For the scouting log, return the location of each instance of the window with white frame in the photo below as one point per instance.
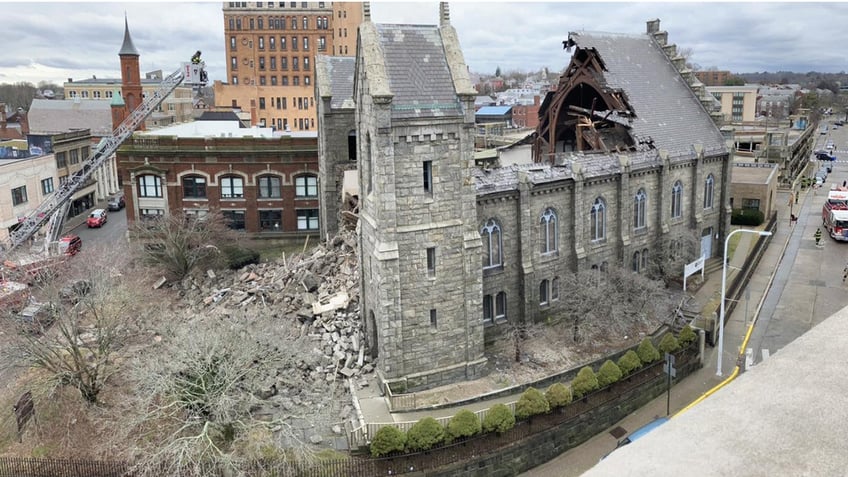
(307, 219)
(270, 187)
(544, 292)
(640, 203)
(149, 185)
(232, 187)
(548, 231)
(305, 186)
(492, 244)
(47, 185)
(677, 200)
(598, 225)
(709, 191)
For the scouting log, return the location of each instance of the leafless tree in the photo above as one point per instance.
(207, 396)
(673, 251)
(88, 315)
(179, 242)
(614, 302)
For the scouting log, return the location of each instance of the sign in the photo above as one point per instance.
(693, 267)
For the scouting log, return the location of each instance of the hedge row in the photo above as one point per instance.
(428, 433)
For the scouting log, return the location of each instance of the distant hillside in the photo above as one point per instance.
(811, 79)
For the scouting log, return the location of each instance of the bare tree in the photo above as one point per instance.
(178, 242)
(82, 326)
(203, 398)
(671, 253)
(614, 302)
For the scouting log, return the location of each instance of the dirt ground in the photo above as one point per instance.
(542, 355)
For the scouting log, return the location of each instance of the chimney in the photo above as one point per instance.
(536, 100)
(653, 26)
(70, 80)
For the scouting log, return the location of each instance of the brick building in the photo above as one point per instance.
(450, 253)
(713, 77)
(270, 51)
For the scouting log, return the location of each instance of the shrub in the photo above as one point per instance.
(498, 419)
(629, 362)
(687, 336)
(668, 344)
(424, 434)
(388, 439)
(608, 374)
(584, 383)
(746, 217)
(558, 395)
(463, 424)
(646, 351)
(531, 402)
(238, 257)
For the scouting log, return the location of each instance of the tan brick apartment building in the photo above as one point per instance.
(713, 77)
(270, 50)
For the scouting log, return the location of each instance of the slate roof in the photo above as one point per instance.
(418, 72)
(61, 115)
(219, 116)
(493, 110)
(340, 70)
(127, 48)
(666, 109)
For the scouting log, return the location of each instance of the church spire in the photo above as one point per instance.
(127, 48)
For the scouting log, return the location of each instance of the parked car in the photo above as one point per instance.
(97, 218)
(70, 244)
(117, 203)
(824, 156)
(639, 433)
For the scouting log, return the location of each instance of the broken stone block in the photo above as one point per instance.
(310, 281)
(347, 372)
(159, 283)
(211, 273)
(337, 429)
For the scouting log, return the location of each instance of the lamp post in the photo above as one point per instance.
(763, 233)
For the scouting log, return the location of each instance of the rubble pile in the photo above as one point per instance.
(315, 294)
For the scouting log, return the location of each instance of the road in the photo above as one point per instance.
(808, 285)
(113, 232)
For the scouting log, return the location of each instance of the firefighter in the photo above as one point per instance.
(818, 236)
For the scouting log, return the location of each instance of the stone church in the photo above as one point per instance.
(626, 154)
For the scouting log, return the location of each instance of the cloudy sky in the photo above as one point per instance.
(55, 41)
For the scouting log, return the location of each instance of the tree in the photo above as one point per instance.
(531, 402)
(673, 252)
(464, 424)
(202, 397)
(92, 322)
(178, 243)
(498, 72)
(18, 95)
(734, 81)
(425, 434)
(584, 383)
(499, 419)
(558, 395)
(388, 439)
(611, 302)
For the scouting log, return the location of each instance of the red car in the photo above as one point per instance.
(97, 218)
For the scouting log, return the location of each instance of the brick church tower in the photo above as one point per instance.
(130, 78)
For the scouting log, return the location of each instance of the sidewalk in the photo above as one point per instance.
(375, 407)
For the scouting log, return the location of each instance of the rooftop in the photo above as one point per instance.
(221, 129)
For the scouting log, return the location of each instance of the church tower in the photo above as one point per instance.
(421, 262)
(130, 75)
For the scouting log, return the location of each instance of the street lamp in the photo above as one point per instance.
(763, 233)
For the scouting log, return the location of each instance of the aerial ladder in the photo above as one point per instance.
(54, 209)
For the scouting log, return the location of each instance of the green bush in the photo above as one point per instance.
(558, 395)
(238, 257)
(747, 217)
(531, 402)
(629, 362)
(584, 383)
(388, 439)
(424, 434)
(608, 374)
(668, 344)
(646, 351)
(463, 424)
(498, 419)
(687, 336)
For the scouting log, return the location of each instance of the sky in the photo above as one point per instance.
(56, 41)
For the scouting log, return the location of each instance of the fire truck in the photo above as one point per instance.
(53, 211)
(835, 214)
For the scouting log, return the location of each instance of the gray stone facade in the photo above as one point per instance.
(428, 315)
